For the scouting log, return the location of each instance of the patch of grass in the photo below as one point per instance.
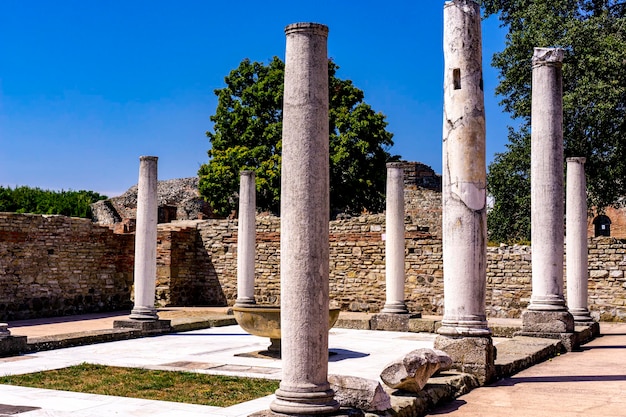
(185, 387)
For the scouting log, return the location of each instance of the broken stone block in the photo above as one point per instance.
(411, 372)
(362, 393)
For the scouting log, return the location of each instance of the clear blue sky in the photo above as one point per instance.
(86, 87)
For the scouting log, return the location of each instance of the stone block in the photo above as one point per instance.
(475, 355)
(362, 393)
(391, 322)
(411, 371)
(547, 322)
(145, 326)
(12, 345)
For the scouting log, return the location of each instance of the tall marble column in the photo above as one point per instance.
(547, 315)
(577, 266)
(246, 239)
(394, 243)
(464, 174)
(546, 312)
(304, 245)
(146, 241)
(464, 333)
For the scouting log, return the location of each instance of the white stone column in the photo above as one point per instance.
(146, 241)
(394, 241)
(576, 240)
(546, 178)
(464, 174)
(246, 239)
(546, 312)
(304, 245)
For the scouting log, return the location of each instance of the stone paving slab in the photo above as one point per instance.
(226, 350)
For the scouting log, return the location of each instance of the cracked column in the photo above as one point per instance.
(464, 326)
(394, 243)
(246, 239)
(547, 315)
(146, 241)
(576, 240)
(304, 245)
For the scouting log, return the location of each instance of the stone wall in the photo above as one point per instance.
(57, 265)
(54, 265)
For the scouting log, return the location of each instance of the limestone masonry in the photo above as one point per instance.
(55, 265)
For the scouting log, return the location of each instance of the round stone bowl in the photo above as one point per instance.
(264, 321)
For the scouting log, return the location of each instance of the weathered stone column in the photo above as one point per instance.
(547, 312)
(576, 240)
(394, 243)
(246, 239)
(304, 246)
(464, 333)
(146, 240)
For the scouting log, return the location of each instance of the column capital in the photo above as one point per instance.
(577, 159)
(247, 173)
(315, 28)
(148, 158)
(548, 57)
(395, 164)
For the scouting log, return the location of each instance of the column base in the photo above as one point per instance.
(471, 327)
(143, 313)
(581, 315)
(245, 302)
(397, 307)
(473, 355)
(304, 403)
(342, 412)
(392, 322)
(538, 321)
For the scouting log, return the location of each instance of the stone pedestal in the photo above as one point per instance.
(145, 326)
(547, 305)
(577, 264)
(10, 345)
(394, 241)
(146, 241)
(473, 355)
(246, 239)
(392, 322)
(304, 245)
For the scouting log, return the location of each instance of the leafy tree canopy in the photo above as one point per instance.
(38, 201)
(593, 34)
(247, 135)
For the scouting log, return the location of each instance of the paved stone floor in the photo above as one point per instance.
(219, 350)
(589, 382)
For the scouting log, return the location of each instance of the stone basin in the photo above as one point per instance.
(264, 321)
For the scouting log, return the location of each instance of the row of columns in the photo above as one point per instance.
(304, 388)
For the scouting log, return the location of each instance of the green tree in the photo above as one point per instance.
(593, 34)
(247, 135)
(37, 201)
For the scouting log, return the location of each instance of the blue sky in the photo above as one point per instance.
(86, 87)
